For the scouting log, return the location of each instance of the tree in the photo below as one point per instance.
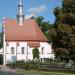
(63, 31)
(1, 59)
(44, 26)
(68, 9)
(1, 40)
(35, 53)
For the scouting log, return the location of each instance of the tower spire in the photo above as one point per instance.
(20, 16)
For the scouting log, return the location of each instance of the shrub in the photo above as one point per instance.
(24, 65)
(29, 65)
(35, 53)
(12, 65)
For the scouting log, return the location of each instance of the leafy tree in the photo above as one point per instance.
(45, 26)
(68, 9)
(1, 59)
(63, 31)
(1, 40)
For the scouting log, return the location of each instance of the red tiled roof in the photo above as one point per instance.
(29, 31)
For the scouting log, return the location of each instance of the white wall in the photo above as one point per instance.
(47, 51)
(17, 51)
(8, 51)
(21, 56)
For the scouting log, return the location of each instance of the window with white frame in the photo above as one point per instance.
(12, 50)
(22, 50)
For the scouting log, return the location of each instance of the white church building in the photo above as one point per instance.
(21, 36)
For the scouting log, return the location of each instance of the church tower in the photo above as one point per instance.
(20, 15)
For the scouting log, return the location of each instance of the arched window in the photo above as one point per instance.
(42, 50)
(12, 50)
(22, 50)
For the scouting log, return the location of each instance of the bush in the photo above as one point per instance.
(35, 53)
(24, 65)
(30, 65)
(12, 65)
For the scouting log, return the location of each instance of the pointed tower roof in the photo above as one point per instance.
(20, 15)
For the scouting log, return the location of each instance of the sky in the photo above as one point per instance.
(45, 8)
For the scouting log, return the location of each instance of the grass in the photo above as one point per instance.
(41, 73)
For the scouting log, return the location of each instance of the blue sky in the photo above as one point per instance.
(45, 8)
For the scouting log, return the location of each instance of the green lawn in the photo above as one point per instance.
(42, 73)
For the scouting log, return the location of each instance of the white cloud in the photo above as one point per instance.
(28, 16)
(39, 9)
